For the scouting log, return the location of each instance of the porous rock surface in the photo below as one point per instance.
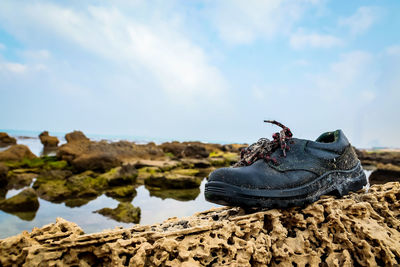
(359, 229)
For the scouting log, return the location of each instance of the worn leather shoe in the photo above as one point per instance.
(287, 172)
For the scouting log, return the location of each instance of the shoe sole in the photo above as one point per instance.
(334, 182)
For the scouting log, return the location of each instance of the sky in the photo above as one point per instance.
(202, 70)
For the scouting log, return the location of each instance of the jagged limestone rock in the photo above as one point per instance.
(359, 229)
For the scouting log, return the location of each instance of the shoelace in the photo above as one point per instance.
(264, 147)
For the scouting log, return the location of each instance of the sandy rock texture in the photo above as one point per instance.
(360, 229)
(16, 152)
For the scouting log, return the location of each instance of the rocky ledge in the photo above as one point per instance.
(359, 229)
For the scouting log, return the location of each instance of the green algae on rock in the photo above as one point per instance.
(124, 193)
(125, 174)
(175, 179)
(125, 212)
(177, 194)
(26, 200)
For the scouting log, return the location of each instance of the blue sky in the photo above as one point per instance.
(202, 70)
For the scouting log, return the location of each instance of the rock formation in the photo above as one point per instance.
(16, 152)
(6, 140)
(84, 154)
(125, 212)
(388, 160)
(360, 229)
(48, 141)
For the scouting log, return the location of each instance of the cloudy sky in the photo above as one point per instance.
(202, 70)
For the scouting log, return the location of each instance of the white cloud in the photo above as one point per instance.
(352, 71)
(13, 67)
(361, 20)
(180, 68)
(2, 46)
(393, 50)
(242, 22)
(302, 40)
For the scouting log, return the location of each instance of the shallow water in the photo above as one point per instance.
(153, 210)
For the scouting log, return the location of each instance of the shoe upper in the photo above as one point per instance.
(305, 161)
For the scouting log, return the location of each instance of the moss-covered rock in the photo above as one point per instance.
(57, 165)
(223, 159)
(17, 180)
(126, 174)
(52, 190)
(147, 172)
(22, 202)
(78, 202)
(124, 193)
(44, 162)
(54, 175)
(178, 194)
(86, 184)
(125, 212)
(173, 181)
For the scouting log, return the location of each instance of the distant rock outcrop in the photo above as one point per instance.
(388, 160)
(84, 154)
(48, 141)
(361, 229)
(6, 140)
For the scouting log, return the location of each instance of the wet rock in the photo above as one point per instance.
(382, 159)
(86, 184)
(78, 202)
(24, 201)
(124, 193)
(361, 229)
(175, 179)
(147, 172)
(48, 141)
(18, 180)
(126, 174)
(54, 174)
(16, 153)
(3, 175)
(223, 159)
(6, 140)
(54, 190)
(178, 194)
(125, 212)
(384, 176)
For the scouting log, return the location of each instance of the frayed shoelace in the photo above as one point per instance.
(264, 147)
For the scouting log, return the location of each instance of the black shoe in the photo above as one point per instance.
(288, 172)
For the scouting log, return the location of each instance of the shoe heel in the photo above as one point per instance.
(351, 184)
